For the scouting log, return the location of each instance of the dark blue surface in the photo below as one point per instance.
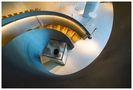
(24, 51)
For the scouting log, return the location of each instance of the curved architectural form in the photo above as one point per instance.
(43, 18)
(36, 35)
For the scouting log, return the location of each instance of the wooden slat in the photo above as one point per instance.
(70, 33)
(76, 37)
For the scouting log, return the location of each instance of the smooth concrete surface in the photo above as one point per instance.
(111, 69)
(18, 27)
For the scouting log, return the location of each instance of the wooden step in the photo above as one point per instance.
(67, 31)
(58, 27)
(64, 30)
(70, 33)
(49, 26)
(75, 37)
